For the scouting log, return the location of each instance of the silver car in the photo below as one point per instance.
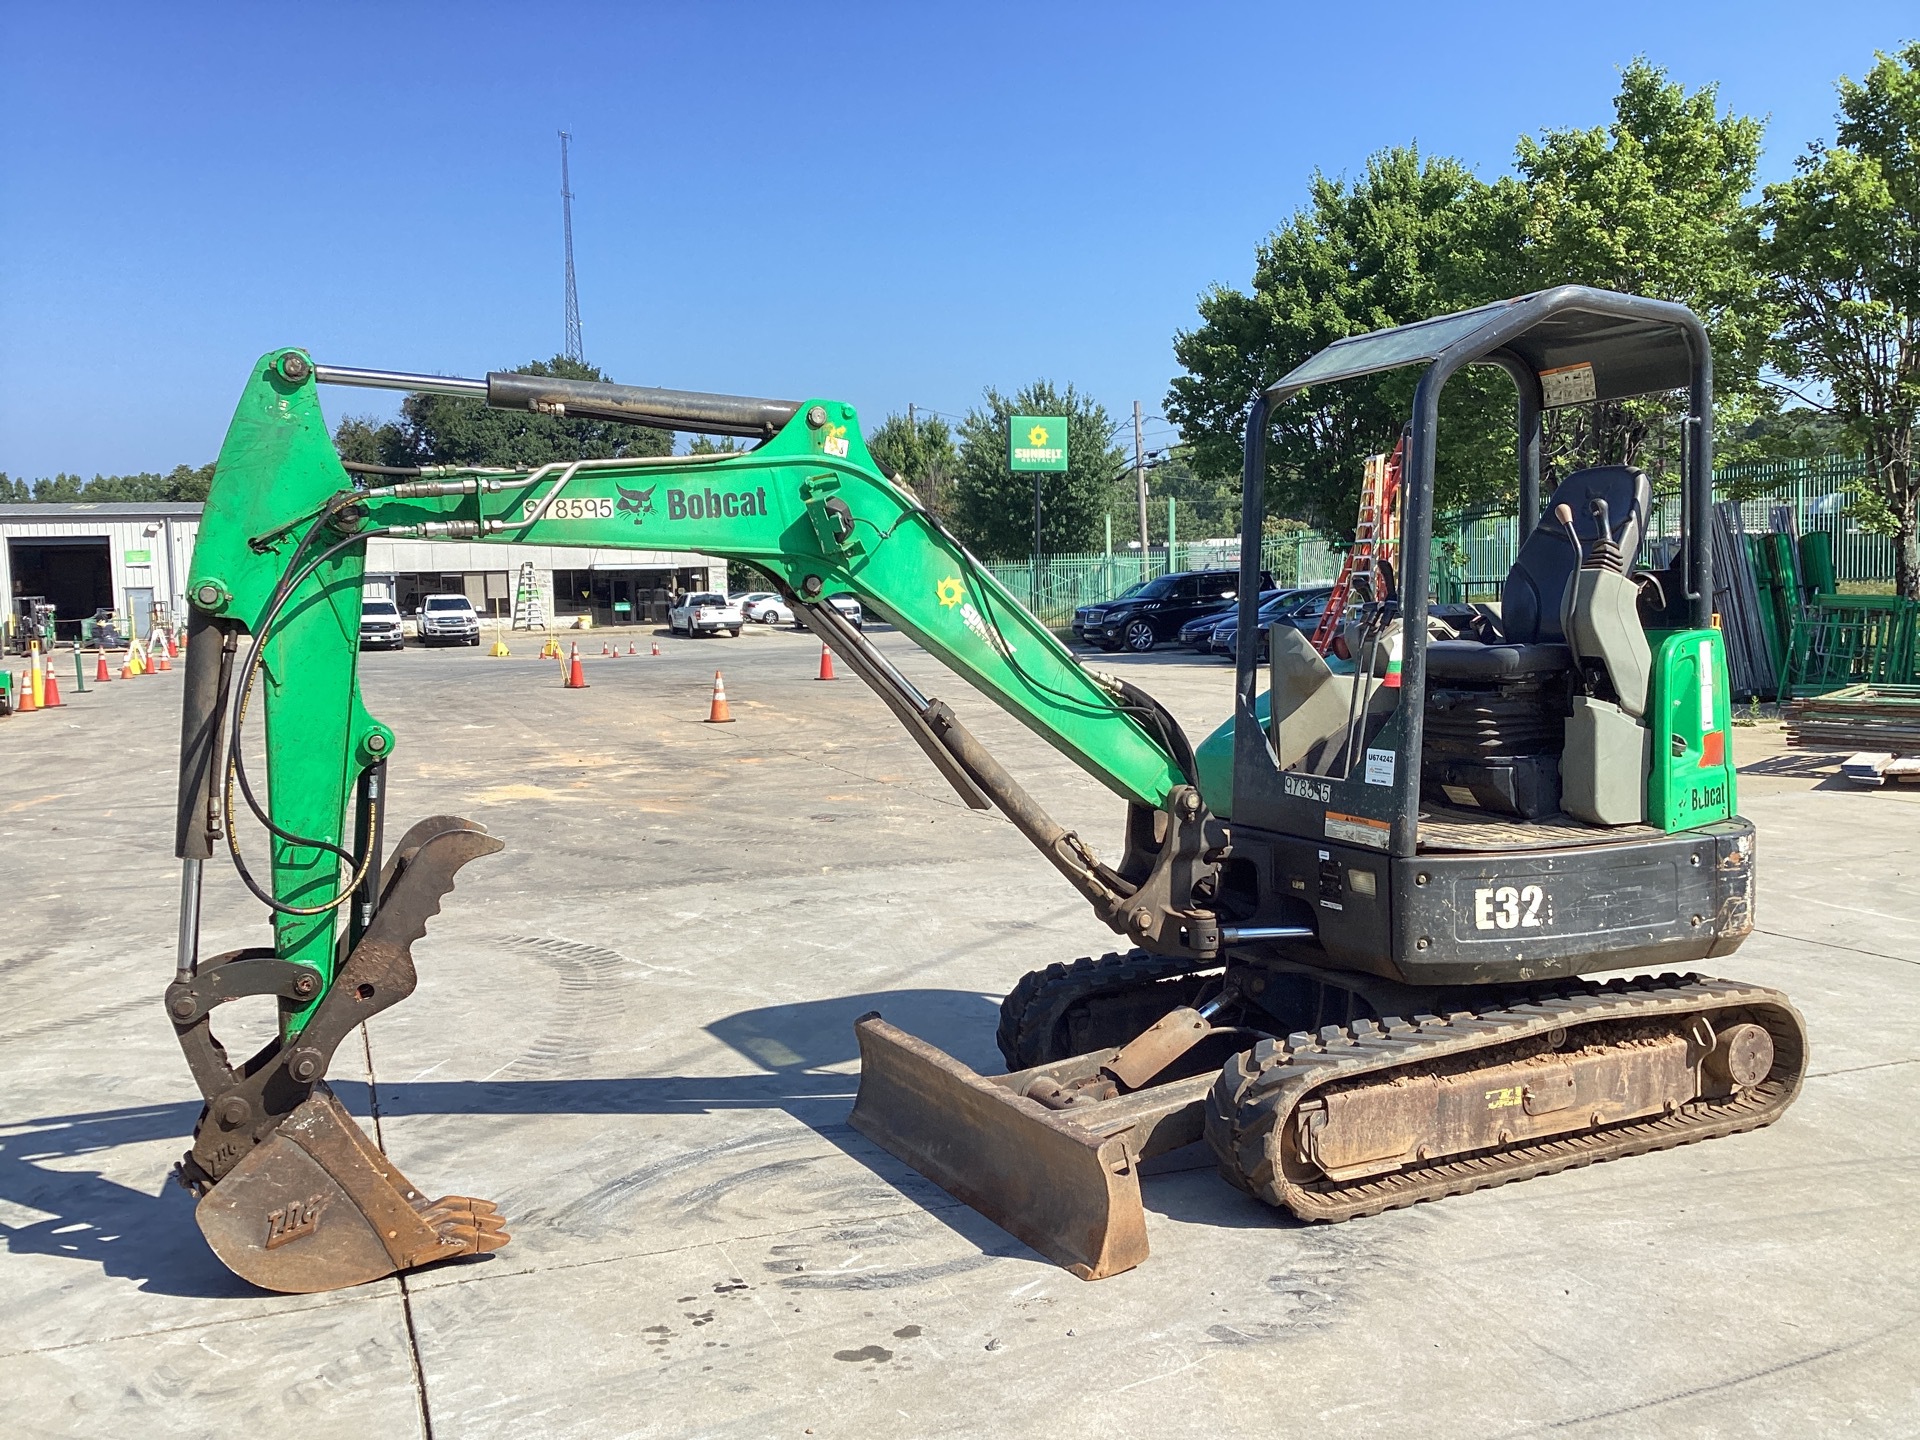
(764, 607)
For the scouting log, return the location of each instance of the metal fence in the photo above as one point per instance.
(1820, 492)
(1471, 553)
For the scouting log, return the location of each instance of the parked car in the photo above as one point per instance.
(380, 625)
(448, 620)
(1301, 609)
(763, 607)
(705, 612)
(1154, 610)
(847, 606)
(1197, 633)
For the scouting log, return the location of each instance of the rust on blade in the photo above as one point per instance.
(1072, 1195)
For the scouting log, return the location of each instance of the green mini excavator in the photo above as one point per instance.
(1357, 916)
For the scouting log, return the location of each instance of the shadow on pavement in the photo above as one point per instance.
(151, 1238)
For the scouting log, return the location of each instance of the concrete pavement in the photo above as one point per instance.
(633, 1032)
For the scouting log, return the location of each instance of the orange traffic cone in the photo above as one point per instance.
(172, 654)
(52, 692)
(826, 663)
(101, 673)
(26, 695)
(160, 660)
(576, 674)
(656, 647)
(632, 649)
(604, 652)
(719, 714)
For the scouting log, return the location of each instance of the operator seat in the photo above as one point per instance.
(1496, 712)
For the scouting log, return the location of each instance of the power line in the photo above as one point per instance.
(566, 219)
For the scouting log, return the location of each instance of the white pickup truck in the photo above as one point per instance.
(706, 613)
(448, 620)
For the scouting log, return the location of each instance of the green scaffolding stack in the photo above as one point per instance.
(1842, 640)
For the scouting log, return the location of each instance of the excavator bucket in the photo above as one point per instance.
(293, 1195)
(317, 1207)
(1066, 1181)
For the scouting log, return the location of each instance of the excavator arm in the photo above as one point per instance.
(279, 561)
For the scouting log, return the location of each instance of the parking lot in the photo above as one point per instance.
(633, 1032)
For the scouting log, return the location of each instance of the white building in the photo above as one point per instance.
(130, 558)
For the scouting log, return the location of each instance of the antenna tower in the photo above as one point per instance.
(566, 218)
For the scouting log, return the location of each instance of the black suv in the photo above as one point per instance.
(1154, 610)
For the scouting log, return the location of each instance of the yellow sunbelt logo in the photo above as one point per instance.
(951, 593)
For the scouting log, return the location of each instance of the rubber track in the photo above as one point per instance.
(1033, 1008)
(1259, 1090)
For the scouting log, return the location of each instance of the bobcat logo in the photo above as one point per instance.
(637, 503)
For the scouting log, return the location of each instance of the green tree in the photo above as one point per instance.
(1409, 239)
(368, 440)
(1654, 204)
(447, 430)
(920, 454)
(62, 489)
(1842, 243)
(993, 505)
(183, 482)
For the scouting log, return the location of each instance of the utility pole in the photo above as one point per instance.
(1140, 486)
(566, 219)
(1034, 605)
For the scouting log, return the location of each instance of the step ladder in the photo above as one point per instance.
(1376, 541)
(527, 614)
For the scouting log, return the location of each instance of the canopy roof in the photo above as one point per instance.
(1634, 345)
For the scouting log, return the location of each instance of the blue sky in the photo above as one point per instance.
(879, 204)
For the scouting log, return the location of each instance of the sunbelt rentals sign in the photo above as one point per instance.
(1037, 442)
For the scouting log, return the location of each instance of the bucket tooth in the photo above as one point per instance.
(1072, 1195)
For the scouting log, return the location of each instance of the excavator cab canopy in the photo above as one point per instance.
(1565, 346)
(1630, 353)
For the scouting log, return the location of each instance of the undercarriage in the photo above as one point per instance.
(1311, 1097)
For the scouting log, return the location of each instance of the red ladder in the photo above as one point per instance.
(1375, 535)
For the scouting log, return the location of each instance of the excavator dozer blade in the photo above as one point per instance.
(317, 1207)
(1072, 1195)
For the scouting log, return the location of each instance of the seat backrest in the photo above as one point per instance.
(1530, 601)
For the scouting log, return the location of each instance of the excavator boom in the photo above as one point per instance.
(280, 557)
